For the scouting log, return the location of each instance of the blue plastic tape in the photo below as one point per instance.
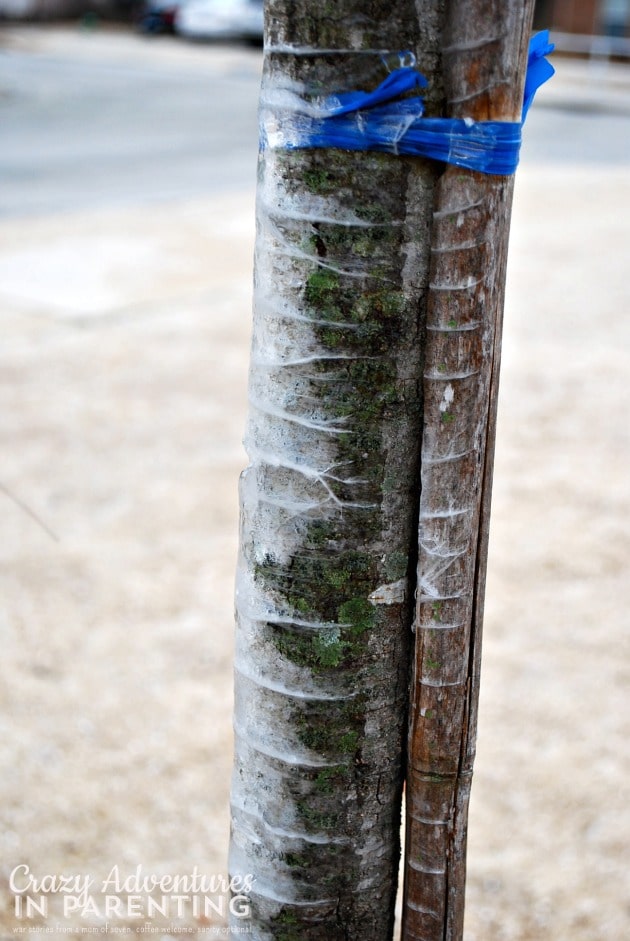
(374, 120)
(539, 70)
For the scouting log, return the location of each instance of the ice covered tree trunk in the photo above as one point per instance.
(484, 55)
(330, 498)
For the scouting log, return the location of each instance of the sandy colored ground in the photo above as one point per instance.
(123, 391)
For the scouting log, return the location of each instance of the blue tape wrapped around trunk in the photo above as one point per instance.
(375, 120)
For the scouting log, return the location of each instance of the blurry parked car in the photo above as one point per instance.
(220, 19)
(157, 16)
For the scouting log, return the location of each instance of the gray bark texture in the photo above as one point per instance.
(349, 338)
(330, 497)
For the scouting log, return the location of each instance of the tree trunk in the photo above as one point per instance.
(330, 498)
(484, 53)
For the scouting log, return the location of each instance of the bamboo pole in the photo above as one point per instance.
(484, 53)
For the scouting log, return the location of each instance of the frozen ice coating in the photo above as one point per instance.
(390, 594)
(328, 516)
(372, 355)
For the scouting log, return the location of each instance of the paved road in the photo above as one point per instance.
(112, 119)
(582, 116)
(115, 119)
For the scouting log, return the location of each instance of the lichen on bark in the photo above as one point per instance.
(329, 499)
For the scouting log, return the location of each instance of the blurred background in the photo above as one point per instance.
(127, 177)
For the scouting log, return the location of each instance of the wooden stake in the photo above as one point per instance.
(484, 57)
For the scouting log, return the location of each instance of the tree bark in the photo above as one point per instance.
(330, 498)
(483, 56)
